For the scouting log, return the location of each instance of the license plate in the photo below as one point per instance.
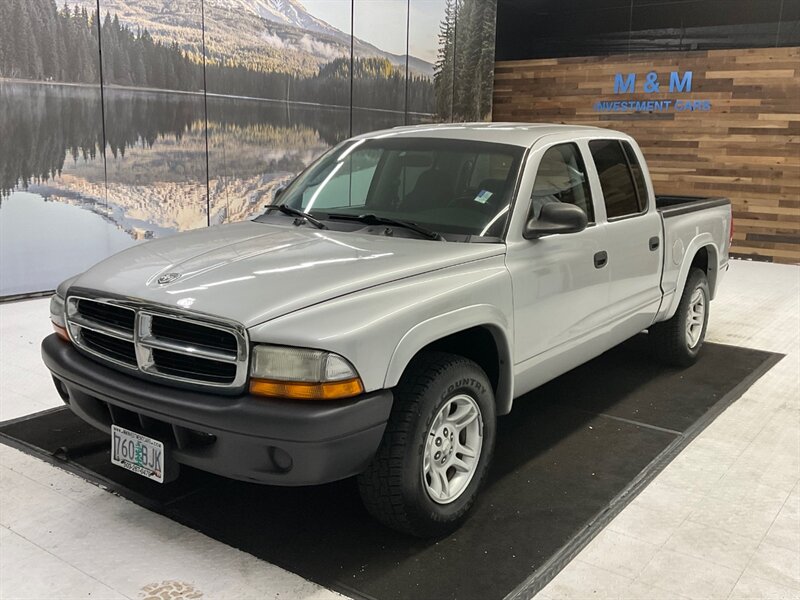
(138, 453)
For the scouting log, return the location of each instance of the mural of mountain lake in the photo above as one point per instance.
(63, 208)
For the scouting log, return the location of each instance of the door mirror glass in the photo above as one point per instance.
(556, 218)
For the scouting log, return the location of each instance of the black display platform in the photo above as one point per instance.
(569, 457)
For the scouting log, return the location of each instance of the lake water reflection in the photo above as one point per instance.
(92, 192)
(44, 242)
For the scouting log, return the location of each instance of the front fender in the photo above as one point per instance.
(379, 329)
(461, 319)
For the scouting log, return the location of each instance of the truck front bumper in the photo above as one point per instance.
(245, 437)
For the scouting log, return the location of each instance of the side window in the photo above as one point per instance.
(481, 170)
(490, 171)
(562, 178)
(616, 180)
(345, 184)
(412, 164)
(638, 176)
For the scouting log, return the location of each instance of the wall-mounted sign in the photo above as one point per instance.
(676, 83)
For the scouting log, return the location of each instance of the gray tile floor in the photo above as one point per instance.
(721, 521)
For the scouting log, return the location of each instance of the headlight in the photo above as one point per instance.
(57, 316)
(303, 374)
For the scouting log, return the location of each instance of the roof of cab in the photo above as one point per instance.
(517, 134)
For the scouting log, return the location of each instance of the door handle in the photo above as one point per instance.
(654, 243)
(600, 259)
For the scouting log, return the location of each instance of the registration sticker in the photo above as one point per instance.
(138, 453)
(483, 196)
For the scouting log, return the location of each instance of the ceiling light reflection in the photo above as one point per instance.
(209, 285)
(316, 263)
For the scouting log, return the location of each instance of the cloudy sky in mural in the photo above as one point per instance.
(425, 17)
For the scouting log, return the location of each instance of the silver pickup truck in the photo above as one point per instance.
(381, 314)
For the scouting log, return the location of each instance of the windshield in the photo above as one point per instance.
(446, 186)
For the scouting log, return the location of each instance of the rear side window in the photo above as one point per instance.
(638, 176)
(616, 180)
(562, 178)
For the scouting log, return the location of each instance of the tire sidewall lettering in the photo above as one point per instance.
(468, 383)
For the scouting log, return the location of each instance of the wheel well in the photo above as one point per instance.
(477, 344)
(700, 260)
(706, 260)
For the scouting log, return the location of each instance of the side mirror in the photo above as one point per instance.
(556, 217)
(279, 192)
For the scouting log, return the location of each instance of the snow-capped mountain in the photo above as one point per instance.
(273, 35)
(294, 14)
(291, 12)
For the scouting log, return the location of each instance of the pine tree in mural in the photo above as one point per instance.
(443, 69)
(41, 42)
(464, 70)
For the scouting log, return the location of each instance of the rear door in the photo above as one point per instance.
(633, 238)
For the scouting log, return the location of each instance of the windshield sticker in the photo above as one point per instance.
(483, 196)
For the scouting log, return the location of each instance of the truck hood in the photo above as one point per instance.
(253, 272)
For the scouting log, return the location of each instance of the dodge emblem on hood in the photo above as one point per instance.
(168, 278)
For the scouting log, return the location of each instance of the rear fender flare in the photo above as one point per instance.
(704, 240)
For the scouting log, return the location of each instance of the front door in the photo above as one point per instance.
(560, 281)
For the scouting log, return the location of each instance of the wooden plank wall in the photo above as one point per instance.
(747, 147)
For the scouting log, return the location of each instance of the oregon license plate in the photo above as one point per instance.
(138, 453)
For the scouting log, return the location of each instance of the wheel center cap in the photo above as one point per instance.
(443, 444)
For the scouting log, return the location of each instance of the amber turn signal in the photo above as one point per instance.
(61, 332)
(295, 390)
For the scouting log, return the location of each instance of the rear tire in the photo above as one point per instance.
(436, 450)
(677, 342)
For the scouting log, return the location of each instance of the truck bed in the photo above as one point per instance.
(690, 222)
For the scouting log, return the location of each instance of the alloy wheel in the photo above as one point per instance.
(452, 449)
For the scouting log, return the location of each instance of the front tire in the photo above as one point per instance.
(677, 342)
(436, 450)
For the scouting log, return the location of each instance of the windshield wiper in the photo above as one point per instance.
(288, 210)
(371, 219)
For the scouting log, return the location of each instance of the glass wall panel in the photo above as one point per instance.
(154, 107)
(278, 96)
(473, 50)
(54, 221)
(380, 64)
(430, 85)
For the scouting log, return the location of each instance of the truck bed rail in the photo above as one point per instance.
(672, 206)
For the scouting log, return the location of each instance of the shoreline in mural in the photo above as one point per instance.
(138, 184)
(152, 181)
(42, 40)
(10, 81)
(176, 138)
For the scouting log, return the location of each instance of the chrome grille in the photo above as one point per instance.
(160, 344)
(115, 348)
(107, 314)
